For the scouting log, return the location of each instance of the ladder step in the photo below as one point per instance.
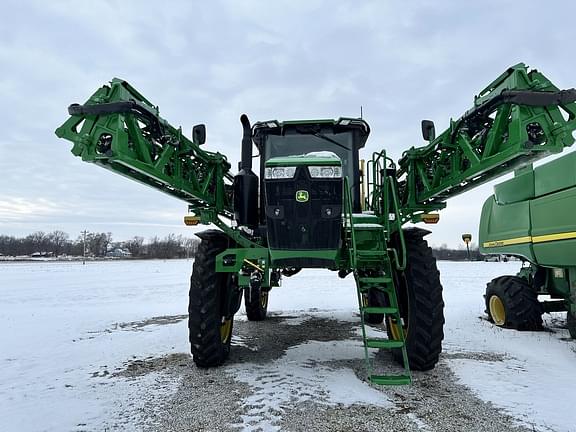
(379, 310)
(384, 343)
(380, 280)
(390, 379)
(360, 218)
(372, 253)
(367, 226)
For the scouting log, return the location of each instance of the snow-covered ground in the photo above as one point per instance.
(60, 324)
(67, 328)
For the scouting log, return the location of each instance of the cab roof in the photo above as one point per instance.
(344, 124)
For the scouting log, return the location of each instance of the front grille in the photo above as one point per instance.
(311, 225)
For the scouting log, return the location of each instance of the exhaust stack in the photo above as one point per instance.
(246, 161)
(246, 182)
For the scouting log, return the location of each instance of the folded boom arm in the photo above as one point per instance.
(517, 119)
(118, 129)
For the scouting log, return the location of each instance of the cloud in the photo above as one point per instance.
(208, 62)
(14, 208)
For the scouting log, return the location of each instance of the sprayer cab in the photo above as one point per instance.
(303, 164)
(343, 137)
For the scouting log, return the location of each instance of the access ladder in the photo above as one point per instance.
(373, 271)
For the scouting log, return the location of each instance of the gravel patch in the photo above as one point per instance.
(304, 372)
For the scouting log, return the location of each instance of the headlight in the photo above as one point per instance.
(279, 173)
(325, 171)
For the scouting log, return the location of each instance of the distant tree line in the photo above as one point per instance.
(101, 244)
(95, 244)
(445, 253)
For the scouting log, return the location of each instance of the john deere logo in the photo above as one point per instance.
(302, 196)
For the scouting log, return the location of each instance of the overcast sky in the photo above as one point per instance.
(208, 62)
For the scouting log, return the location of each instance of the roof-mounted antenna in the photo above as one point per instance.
(360, 112)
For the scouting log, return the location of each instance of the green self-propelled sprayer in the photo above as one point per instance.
(315, 204)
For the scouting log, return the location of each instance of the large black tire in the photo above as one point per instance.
(571, 324)
(209, 324)
(421, 304)
(512, 302)
(256, 303)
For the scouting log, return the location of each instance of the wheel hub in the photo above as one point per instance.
(497, 311)
(225, 330)
(264, 299)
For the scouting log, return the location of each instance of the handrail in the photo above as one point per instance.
(383, 193)
(348, 215)
(398, 222)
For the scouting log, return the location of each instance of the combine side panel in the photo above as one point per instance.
(554, 228)
(533, 215)
(505, 228)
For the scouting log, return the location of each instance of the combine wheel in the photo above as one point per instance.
(511, 302)
(571, 324)
(209, 325)
(256, 302)
(421, 305)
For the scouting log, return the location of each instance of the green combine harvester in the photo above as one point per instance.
(532, 216)
(315, 204)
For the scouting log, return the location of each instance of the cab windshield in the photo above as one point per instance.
(294, 143)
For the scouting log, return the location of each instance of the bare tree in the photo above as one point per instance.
(57, 241)
(36, 242)
(135, 246)
(97, 243)
(191, 246)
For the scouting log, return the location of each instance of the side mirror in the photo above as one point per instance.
(428, 131)
(199, 134)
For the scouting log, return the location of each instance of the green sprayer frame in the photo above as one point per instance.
(518, 118)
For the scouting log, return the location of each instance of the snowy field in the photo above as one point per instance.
(68, 331)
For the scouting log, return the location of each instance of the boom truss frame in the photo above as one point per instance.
(120, 130)
(518, 118)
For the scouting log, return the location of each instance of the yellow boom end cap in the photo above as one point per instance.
(191, 220)
(430, 218)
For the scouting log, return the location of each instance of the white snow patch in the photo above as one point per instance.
(302, 375)
(536, 380)
(422, 425)
(238, 340)
(295, 321)
(61, 335)
(61, 339)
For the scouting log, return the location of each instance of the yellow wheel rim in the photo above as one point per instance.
(226, 330)
(497, 311)
(395, 329)
(264, 299)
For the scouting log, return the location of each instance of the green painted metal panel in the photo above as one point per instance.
(519, 188)
(555, 175)
(554, 218)
(558, 283)
(501, 225)
(232, 260)
(363, 218)
(369, 237)
(328, 254)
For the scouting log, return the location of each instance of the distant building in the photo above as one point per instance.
(500, 258)
(118, 253)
